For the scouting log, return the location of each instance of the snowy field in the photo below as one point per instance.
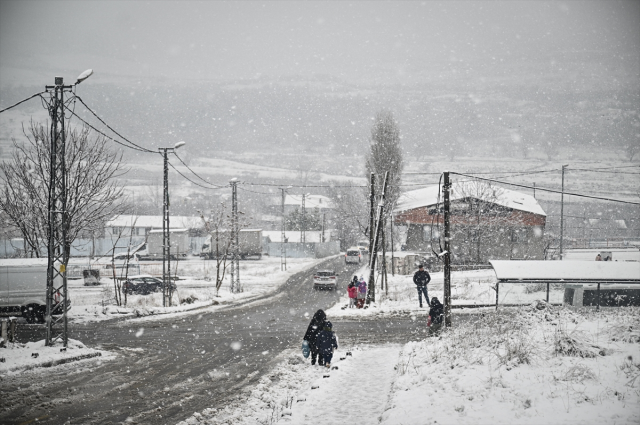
(195, 289)
(531, 365)
(467, 288)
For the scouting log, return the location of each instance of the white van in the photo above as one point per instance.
(23, 288)
(353, 255)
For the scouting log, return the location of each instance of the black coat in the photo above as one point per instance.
(326, 340)
(421, 278)
(316, 325)
(436, 312)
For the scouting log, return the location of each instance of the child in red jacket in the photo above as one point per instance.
(352, 290)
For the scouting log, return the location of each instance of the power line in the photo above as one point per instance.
(107, 125)
(105, 135)
(194, 173)
(550, 190)
(197, 184)
(22, 101)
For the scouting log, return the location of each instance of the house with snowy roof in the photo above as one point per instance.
(141, 225)
(487, 222)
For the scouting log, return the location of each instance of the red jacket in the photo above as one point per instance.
(353, 292)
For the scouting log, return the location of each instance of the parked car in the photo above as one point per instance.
(325, 279)
(144, 285)
(353, 255)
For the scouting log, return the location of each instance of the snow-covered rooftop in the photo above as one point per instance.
(567, 270)
(428, 196)
(155, 221)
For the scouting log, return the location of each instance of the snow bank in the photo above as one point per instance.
(17, 357)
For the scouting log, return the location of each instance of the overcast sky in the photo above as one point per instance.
(358, 41)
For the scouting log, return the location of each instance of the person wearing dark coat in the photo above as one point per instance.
(316, 325)
(421, 278)
(436, 313)
(326, 342)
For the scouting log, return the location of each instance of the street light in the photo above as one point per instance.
(86, 74)
(166, 238)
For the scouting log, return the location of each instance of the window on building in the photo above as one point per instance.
(519, 235)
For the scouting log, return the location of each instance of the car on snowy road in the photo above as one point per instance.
(144, 285)
(353, 255)
(325, 279)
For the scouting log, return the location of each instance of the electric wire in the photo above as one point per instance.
(22, 101)
(550, 190)
(194, 173)
(109, 137)
(197, 184)
(109, 127)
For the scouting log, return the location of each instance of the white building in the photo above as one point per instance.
(141, 225)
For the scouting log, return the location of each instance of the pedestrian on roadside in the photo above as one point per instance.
(436, 314)
(421, 278)
(362, 293)
(327, 342)
(352, 290)
(311, 336)
(598, 257)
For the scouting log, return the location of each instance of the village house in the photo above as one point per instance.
(141, 225)
(487, 223)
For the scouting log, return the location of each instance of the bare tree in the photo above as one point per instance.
(351, 214)
(93, 196)
(220, 239)
(385, 154)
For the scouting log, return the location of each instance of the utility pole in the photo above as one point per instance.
(383, 282)
(562, 213)
(393, 272)
(235, 256)
(372, 211)
(447, 252)
(58, 256)
(283, 248)
(322, 235)
(303, 225)
(57, 297)
(167, 291)
(371, 293)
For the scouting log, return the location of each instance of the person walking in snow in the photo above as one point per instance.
(316, 325)
(436, 314)
(421, 278)
(362, 293)
(352, 290)
(327, 342)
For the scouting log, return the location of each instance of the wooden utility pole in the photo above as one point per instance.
(372, 211)
(562, 213)
(447, 252)
(371, 293)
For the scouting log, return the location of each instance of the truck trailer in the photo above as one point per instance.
(179, 239)
(23, 289)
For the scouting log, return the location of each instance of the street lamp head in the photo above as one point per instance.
(86, 74)
(179, 144)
